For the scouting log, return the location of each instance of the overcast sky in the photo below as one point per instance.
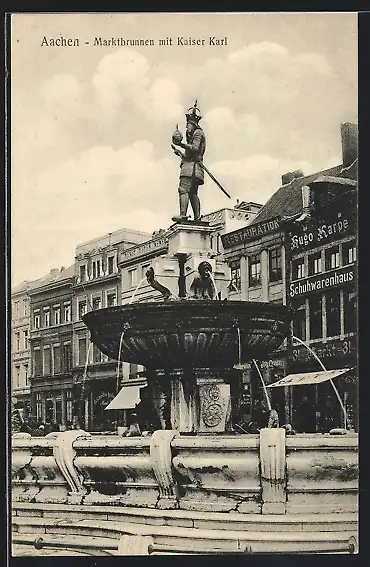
(91, 126)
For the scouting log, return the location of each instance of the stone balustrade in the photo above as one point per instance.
(257, 474)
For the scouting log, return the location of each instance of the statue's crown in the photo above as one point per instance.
(193, 114)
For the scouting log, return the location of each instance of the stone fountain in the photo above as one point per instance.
(194, 485)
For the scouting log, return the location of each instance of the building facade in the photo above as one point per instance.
(97, 286)
(51, 338)
(278, 258)
(20, 349)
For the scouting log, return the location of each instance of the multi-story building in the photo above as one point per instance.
(51, 338)
(97, 285)
(265, 268)
(20, 348)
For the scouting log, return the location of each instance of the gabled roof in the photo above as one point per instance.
(287, 200)
(52, 278)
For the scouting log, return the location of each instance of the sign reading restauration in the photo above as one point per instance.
(155, 245)
(322, 282)
(249, 233)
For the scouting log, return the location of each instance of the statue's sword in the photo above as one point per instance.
(214, 179)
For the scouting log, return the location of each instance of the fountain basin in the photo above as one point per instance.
(183, 334)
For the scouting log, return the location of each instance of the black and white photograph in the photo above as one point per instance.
(182, 372)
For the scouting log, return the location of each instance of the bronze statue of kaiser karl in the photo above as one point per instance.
(191, 167)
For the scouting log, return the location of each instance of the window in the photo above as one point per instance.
(47, 361)
(350, 311)
(57, 358)
(25, 339)
(315, 304)
(37, 362)
(110, 263)
(275, 273)
(298, 271)
(69, 406)
(96, 269)
(47, 318)
(314, 264)
(144, 270)
(36, 321)
(111, 299)
(299, 321)
(254, 270)
(96, 303)
(67, 313)
(236, 281)
(82, 350)
(38, 406)
(82, 308)
(56, 315)
(349, 252)
(17, 376)
(83, 273)
(25, 367)
(16, 309)
(25, 307)
(67, 357)
(132, 275)
(17, 341)
(96, 354)
(333, 313)
(332, 258)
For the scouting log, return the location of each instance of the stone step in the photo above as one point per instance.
(188, 519)
(190, 539)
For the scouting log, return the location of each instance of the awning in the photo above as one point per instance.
(308, 378)
(127, 398)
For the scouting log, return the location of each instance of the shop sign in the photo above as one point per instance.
(104, 398)
(333, 349)
(249, 233)
(317, 234)
(323, 282)
(157, 244)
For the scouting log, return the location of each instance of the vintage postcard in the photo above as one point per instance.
(183, 359)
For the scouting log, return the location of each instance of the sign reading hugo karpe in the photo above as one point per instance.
(320, 233)
(249, 233)
(322, 282)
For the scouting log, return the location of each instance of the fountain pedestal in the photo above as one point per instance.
(193, 399)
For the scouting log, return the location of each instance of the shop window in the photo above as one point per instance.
(332, 258)
(349, 252)
(298, 271)
(315, 309)
(299, 321)
(56, 315)
(67, 357)
(82, 351)
(314, 264)
(69, 406)
(37, 362)
(38, 407)
(47, 361)
(236, 281)
(254, 270)
(57, 359)
(82, 308)
(350, 311)
(275, 273)
(110, 264)
(333, 313)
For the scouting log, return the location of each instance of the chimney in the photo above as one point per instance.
(290, 175)
(349, 134)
